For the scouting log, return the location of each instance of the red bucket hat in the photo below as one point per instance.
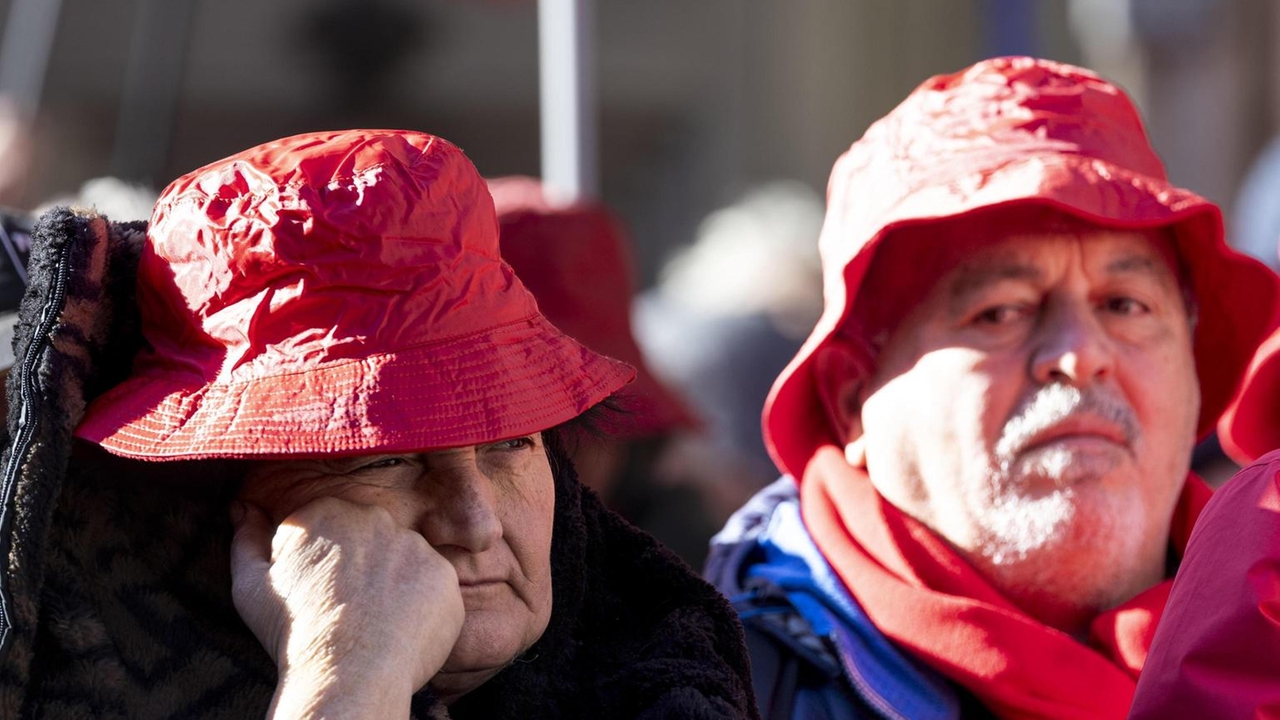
(337, 293)
(1250, 428)
(1015, 132)
(574, 260)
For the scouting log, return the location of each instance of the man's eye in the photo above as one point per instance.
(1000, 315)
(1125, 306)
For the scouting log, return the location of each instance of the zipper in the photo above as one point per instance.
(26, 429)
(749, 606)
(860, 685)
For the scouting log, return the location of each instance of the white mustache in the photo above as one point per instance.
(1056, 403)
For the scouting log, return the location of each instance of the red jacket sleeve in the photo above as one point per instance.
(1216, 653)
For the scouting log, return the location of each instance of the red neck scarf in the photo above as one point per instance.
(928, 600)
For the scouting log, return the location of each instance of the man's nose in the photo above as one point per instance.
(1072, 345)
(463, 512)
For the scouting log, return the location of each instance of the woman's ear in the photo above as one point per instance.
(842, 372)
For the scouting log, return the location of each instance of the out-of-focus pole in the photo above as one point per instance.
(152, 85)
(566, 56)
(25, 50)
(1011, 28)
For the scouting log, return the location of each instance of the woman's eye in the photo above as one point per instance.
(514, 444)
(382, 463)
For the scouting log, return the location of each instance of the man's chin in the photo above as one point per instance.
(1014, 526)
(1046, 469)
(1072, 544)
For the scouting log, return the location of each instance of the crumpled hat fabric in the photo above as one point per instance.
(574, 260)
(337, 293)
(1250, 428)
(1008, 132)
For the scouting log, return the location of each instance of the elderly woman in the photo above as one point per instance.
(322, 471)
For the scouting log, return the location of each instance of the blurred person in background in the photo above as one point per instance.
(321, 471)
(727, 314)
(1254, 229)
(1215, 653)
(987, 436)
(575, 260)
(15, 150)
(112, 197)
(1255, 217)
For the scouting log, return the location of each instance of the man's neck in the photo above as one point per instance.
(1071, 618)
(1064, 605)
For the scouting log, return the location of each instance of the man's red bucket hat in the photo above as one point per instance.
(1016, 132)
(574, 260)
(337, 293)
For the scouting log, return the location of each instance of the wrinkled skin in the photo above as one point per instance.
(1037, 409)
(368, 577)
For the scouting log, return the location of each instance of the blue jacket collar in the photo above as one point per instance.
(765, 550)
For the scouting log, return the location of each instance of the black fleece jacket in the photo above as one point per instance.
(115, 587)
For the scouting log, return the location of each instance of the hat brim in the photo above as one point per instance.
(1224, 281)
(649, 407)
(513, 380)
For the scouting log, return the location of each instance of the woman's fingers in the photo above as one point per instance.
(339, 589)
(251, 590)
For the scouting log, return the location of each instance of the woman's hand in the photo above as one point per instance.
(357, 612)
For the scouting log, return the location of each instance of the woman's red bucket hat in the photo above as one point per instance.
(337, 293)
(1012, 132)
(574, 260)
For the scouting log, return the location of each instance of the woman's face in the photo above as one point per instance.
(488, 509)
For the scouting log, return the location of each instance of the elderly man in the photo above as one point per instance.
(988, 434)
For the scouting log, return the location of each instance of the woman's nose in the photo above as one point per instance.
(462, 513)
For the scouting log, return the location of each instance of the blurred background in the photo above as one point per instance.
(698, 101)
(717, 123)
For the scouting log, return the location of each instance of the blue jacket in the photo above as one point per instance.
(814, 653)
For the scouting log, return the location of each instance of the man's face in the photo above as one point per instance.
(488, 509)
(1037, 409)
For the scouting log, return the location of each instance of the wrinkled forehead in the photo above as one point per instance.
(1105, 252)
(918, 263)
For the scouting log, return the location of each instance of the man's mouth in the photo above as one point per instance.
(1069, 420)
(1081, 431)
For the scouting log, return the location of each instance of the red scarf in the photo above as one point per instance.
(924, 597)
